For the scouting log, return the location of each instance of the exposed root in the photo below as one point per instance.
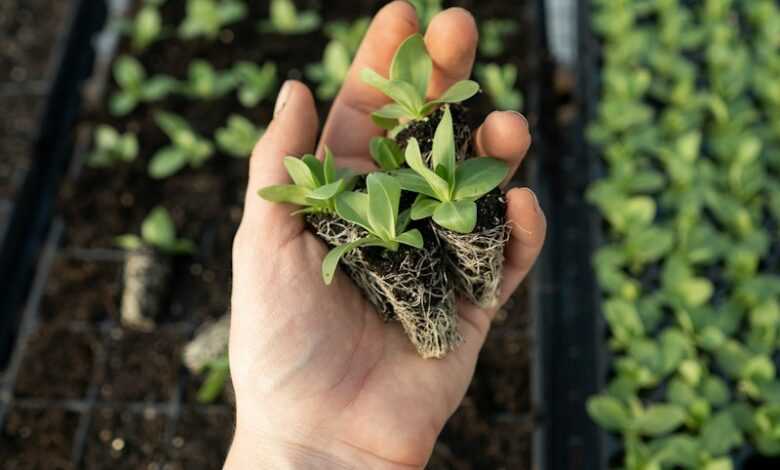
(210, 343)
(146, 276)
(476, 262)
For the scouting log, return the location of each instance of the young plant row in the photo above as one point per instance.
(688, 126)
(419, 212)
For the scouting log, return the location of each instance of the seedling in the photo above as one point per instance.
(207, 18)
(216, 379)
(410, 75)
(187, 147)
(448, 192)
(426, 10)
(146, 27)
(386, 153)
(315, 184)
(157, 232)
(377, 213)
(286, 19)
(348, 34)
(239, 137)
(206, 83)
(135, 88)
(345, 40)
(491, 36)
(500, 82)
(254, 83)
(111, 147)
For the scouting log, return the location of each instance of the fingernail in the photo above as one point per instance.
(284, 95)
(538, 207)
(525, 120)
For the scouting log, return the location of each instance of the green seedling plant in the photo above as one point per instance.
(111, 147)
(217, 375)
(410, 75)
(350, 35)
(146, 27)
(135, 87)
(316, 184)
(448, 191)
(387, 154)
(377, 212)
(492, 33)
(286, 19)
(238, 137)
(337, 58)
(500, 82)
(255, 83)
(187, 148)
(426, 10)
(157, 232)
(207, 18)
(206, 83)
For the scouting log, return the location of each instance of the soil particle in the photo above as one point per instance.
(38, 439)
(202, 438)
(123, 439)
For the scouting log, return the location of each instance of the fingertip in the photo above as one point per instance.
(452, 39)
(400, 13)
(504, 135)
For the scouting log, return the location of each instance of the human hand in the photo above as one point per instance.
(321, 381)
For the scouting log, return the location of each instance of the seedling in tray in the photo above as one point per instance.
(206, 83)
(148, 267)
(188, 148)
(286, 19)
(135, 87)
(207, 18)
(339, 52)
(111, 147)
(254, 83)
(146, 27)
(500, 82)
(239, 137)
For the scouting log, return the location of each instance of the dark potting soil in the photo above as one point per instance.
(491, 211)
(141, 367)
(81, 291)
(58, 364)
(121, 439)
(38, 439)
(202, 438)
(425, 129)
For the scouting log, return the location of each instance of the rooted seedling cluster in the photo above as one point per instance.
(429, 225)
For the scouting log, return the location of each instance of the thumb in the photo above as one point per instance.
(292, 132)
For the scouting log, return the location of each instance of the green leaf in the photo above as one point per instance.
(411, 181)
(720, 434)
(609, 413)
(329, 167)
(476, 177)
(443, 153)
(458, 92)
(328, 191)
(331, 261)
(167, 162)
(301, 173)
(659, 419)
(129, 242)
(288, 193)
(212, 387)
(411, 238)
(316, 168)
(386, 153)
(128, 72)
(353, 207)
(121, 104)
(412, 64)
(389, 115)
(459, 216)
(401, 92)
(158, 229)
(424, 207)
(157, 88)
(436, 182)
(384, 196)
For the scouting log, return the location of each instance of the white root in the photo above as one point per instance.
(476, 262)
(210, 343)
(146, 276)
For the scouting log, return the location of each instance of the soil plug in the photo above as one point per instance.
(210, 343)
(457, 196)
(148, 268)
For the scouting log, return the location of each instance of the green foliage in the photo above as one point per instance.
(135, 88)
(448, 191)
(187, 148)
(207, 18)
(205, 83)
(315, 184)
(146, 27)
(491, 36)
(286, 19)
(410, 74)
(338, 55)
(500, 82)
(377, 212)
(426, 10)
(111, 147)
(386, 153)
(688, 133)
(239, 137)
(159, 232)
(218, 373)
(255, 83)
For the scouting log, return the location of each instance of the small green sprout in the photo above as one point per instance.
(348, 34)
(332, 72)
(377, 212)
(386, 153)
(146, 27)
(254, 83)
(159, 232)
(135, 87)
(239, 137)
(207, 18)
(315, 184)
(112, 147)
(410, 74)
(449, 191)
(286, 19)
(500, 81)
(187, 148)
(426, 10)
(216, 379)
(491, 36)
(206, 83)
